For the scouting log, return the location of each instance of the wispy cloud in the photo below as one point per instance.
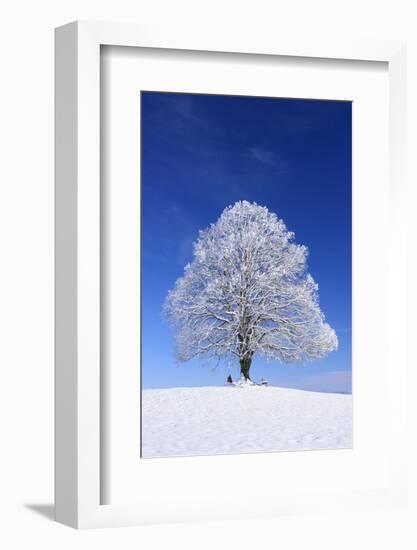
(263, 155)
(267, 157)
(178, 112)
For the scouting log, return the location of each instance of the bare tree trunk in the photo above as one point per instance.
(245, 367)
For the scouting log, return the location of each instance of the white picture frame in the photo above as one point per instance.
(78, 405)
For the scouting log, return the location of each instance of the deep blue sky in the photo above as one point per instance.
(201, 153)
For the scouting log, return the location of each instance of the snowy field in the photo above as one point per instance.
(219, 420)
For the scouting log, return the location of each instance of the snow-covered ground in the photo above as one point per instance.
(219, 420)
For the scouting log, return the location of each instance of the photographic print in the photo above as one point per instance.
(246, 285)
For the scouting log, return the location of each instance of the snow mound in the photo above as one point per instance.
(215, 420)
(244, 383)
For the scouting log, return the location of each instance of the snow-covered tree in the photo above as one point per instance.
(246, 292)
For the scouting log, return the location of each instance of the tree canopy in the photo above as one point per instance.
(247, 291)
